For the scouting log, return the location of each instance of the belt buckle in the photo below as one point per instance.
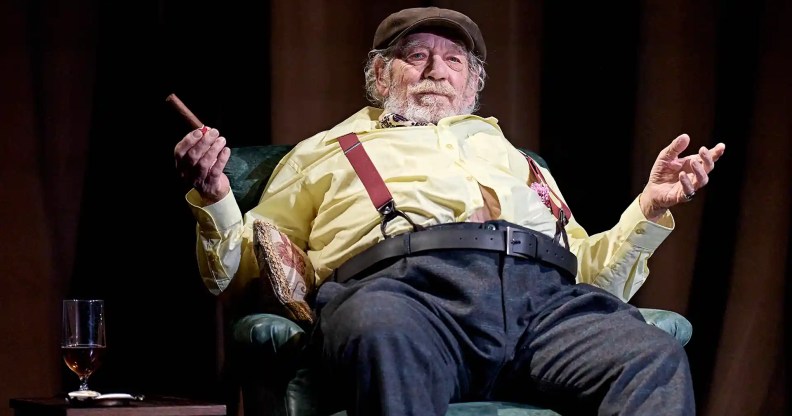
(511, 242)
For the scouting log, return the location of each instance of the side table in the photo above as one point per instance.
(156, 406)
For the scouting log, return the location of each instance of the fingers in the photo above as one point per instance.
(691, 182)
(186, 143)
(717, 151)
(699, 172)
(197, 154)
(676, 147)
(706, 158)
(710, 156)
(220, 163)
(205, 164)
(687, 185)
(199, 149)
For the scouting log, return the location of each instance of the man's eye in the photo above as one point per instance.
(455, 59)
(417, 56)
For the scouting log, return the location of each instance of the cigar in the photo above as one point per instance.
(188, 115)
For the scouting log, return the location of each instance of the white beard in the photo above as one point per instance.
(427, 108)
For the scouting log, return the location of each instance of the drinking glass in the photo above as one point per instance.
(83, 339)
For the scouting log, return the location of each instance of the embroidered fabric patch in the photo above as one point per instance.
(286, 268)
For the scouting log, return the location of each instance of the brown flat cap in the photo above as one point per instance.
(407, 21)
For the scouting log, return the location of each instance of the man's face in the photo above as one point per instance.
(428, 79)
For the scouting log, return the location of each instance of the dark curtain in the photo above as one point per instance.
(93, 207)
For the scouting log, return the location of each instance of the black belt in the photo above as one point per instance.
(511, 241)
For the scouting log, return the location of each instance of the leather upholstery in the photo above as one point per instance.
(249, 168)
(671, 322)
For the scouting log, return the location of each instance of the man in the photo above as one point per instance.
(494, 291)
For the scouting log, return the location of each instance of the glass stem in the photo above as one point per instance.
(83, 383)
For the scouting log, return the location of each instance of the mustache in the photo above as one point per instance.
(433, 87)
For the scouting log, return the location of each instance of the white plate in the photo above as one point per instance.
(94, 398)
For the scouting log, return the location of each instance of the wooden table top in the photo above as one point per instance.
(154, 406)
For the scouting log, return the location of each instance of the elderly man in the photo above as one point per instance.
(447, 264)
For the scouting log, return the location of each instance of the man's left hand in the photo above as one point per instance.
(674, 179)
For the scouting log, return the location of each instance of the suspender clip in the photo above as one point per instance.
(388, 212)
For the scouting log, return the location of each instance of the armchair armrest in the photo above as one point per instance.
(671, 322)
(266, 359)
(268, 333)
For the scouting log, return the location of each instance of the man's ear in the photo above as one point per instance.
(382, 76)
(473, 88)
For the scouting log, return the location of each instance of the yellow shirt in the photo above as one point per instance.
(435, 174)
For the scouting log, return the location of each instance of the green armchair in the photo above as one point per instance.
(266, 356)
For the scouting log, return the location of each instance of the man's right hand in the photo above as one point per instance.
(200, 159)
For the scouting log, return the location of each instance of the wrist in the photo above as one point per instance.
(650, 211)
(209, 198)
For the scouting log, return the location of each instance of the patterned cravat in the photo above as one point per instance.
(387, 120)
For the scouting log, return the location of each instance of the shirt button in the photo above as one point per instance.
(450, 146)
(640, 231)
(470, 178)
(491, 227)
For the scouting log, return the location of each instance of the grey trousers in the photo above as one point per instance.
(468, 325)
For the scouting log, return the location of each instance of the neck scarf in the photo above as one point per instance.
(388, 120)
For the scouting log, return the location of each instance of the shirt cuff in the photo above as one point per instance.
(643, 233)
(220, 215)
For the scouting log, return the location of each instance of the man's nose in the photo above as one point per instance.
(436, 68)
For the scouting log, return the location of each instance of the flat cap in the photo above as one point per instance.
(407, 21)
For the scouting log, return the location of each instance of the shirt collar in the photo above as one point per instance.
(364, 120)
(368, 119)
